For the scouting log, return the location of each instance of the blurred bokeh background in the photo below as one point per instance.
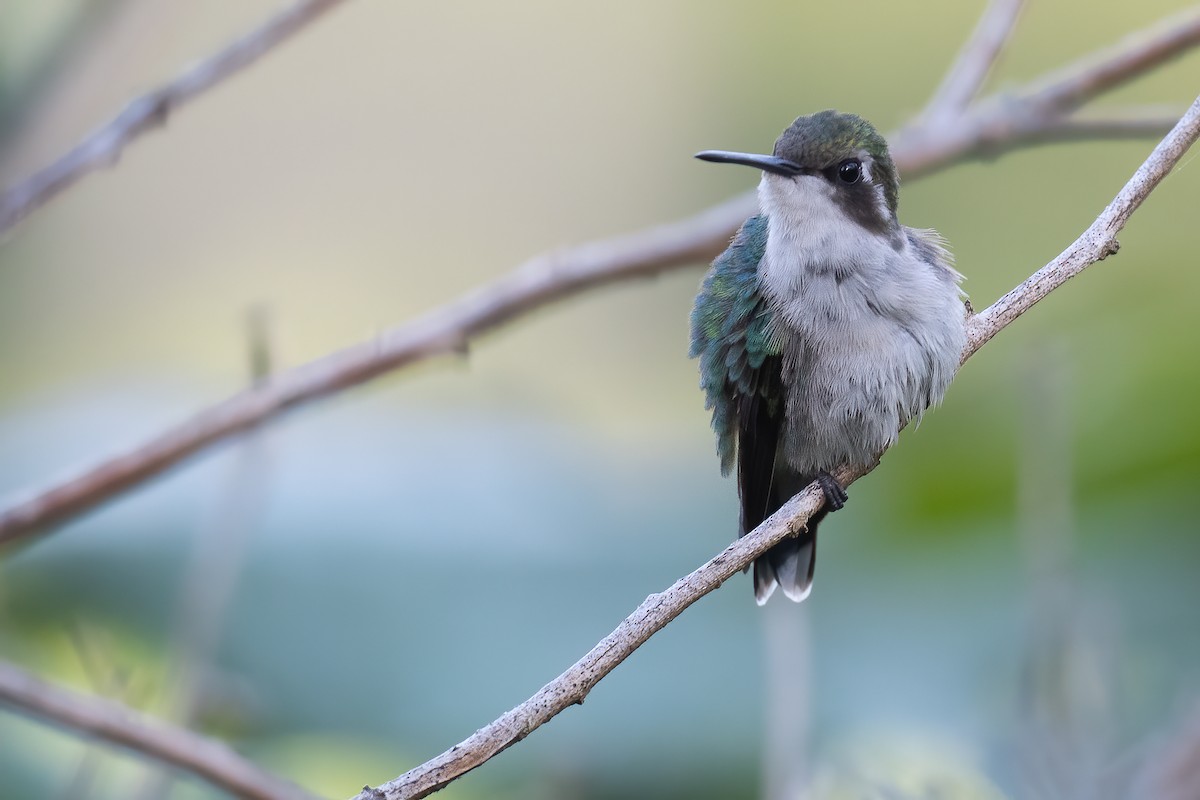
(1007, 608)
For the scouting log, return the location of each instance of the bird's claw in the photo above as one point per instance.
(835, 495)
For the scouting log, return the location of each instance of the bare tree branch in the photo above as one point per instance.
(1038, 112)
(1136, 54)
(208, 759)
(1080, 128)
(216, 763)
(1095, 244)
(571, 687)
(540, 281)
(103, 146)
(975, 131)
(982, 130)
(979, 54)
(85, 23)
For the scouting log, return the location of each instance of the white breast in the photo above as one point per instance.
(871, 331)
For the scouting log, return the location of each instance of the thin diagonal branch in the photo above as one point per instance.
(965, 77)
(1095, 244)
(103, 146)
(85, 23)
(985, 129)
(1035, 113)
(1136, 54)
(207, 759)
(571, 687)
(540, 281)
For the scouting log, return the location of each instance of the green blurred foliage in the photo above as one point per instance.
(427, 552)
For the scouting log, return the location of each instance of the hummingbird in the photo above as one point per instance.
(822, 330)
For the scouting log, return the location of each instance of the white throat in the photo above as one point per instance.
(810, 235)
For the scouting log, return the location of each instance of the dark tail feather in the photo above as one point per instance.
(789, 565)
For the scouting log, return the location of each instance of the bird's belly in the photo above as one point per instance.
(849, 395)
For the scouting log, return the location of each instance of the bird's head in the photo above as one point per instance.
(826, 155)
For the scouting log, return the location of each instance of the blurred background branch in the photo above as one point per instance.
(1096, 243)
(571, 687)
(1116, 123)
(1105, 70)
(103, 147)
(18, 94)
(208, 588)
(1038, 112)
(1024, 116)
(205, 595)
(116, 723)
(399, 707)
(109, 678)
(975, 61)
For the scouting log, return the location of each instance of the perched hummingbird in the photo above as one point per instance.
(823, 329)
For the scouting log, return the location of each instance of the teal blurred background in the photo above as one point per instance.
(1008, 607)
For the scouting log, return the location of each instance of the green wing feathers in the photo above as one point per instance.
(732, 334)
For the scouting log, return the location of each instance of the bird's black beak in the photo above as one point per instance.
(772, 164)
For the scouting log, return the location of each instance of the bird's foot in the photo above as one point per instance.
(835, 495)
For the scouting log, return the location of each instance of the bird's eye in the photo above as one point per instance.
(850, 171)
